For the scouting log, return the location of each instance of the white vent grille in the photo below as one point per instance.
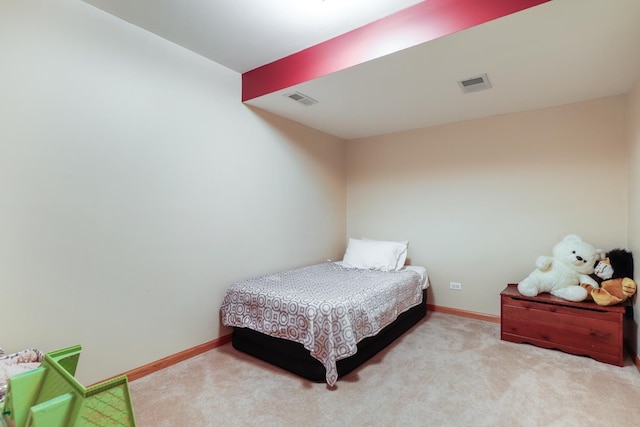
(301, 98)
(474, 84)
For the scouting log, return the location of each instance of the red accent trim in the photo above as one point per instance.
(463, 313)
(158, 365)
(415, 25)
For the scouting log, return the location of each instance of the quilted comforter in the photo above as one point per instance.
(326, 307)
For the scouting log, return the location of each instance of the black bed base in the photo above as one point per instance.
(293, 357)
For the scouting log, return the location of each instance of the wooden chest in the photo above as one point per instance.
(582, 328)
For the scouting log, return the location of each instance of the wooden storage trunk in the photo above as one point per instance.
(581, 328)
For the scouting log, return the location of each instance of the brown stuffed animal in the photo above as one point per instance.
(614, 273)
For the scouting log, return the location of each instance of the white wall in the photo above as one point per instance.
(135, 187)
(634, 200)
(480, 200)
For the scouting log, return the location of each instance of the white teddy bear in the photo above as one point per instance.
(562, 274)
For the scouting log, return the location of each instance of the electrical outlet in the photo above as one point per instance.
(455, 286)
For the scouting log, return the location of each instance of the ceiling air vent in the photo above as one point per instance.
(301, 98)
(474, 84)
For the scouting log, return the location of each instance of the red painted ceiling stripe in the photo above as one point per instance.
(417, 24)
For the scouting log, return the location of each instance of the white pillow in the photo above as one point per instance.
(402, 258)
(375, 254)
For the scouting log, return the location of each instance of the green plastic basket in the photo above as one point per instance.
(50, 396)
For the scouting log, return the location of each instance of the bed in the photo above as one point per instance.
(323, 320)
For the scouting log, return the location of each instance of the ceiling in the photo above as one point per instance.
(559, 52)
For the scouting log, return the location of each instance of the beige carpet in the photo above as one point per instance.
(446, 371)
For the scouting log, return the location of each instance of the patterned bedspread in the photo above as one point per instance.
(325, 307)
